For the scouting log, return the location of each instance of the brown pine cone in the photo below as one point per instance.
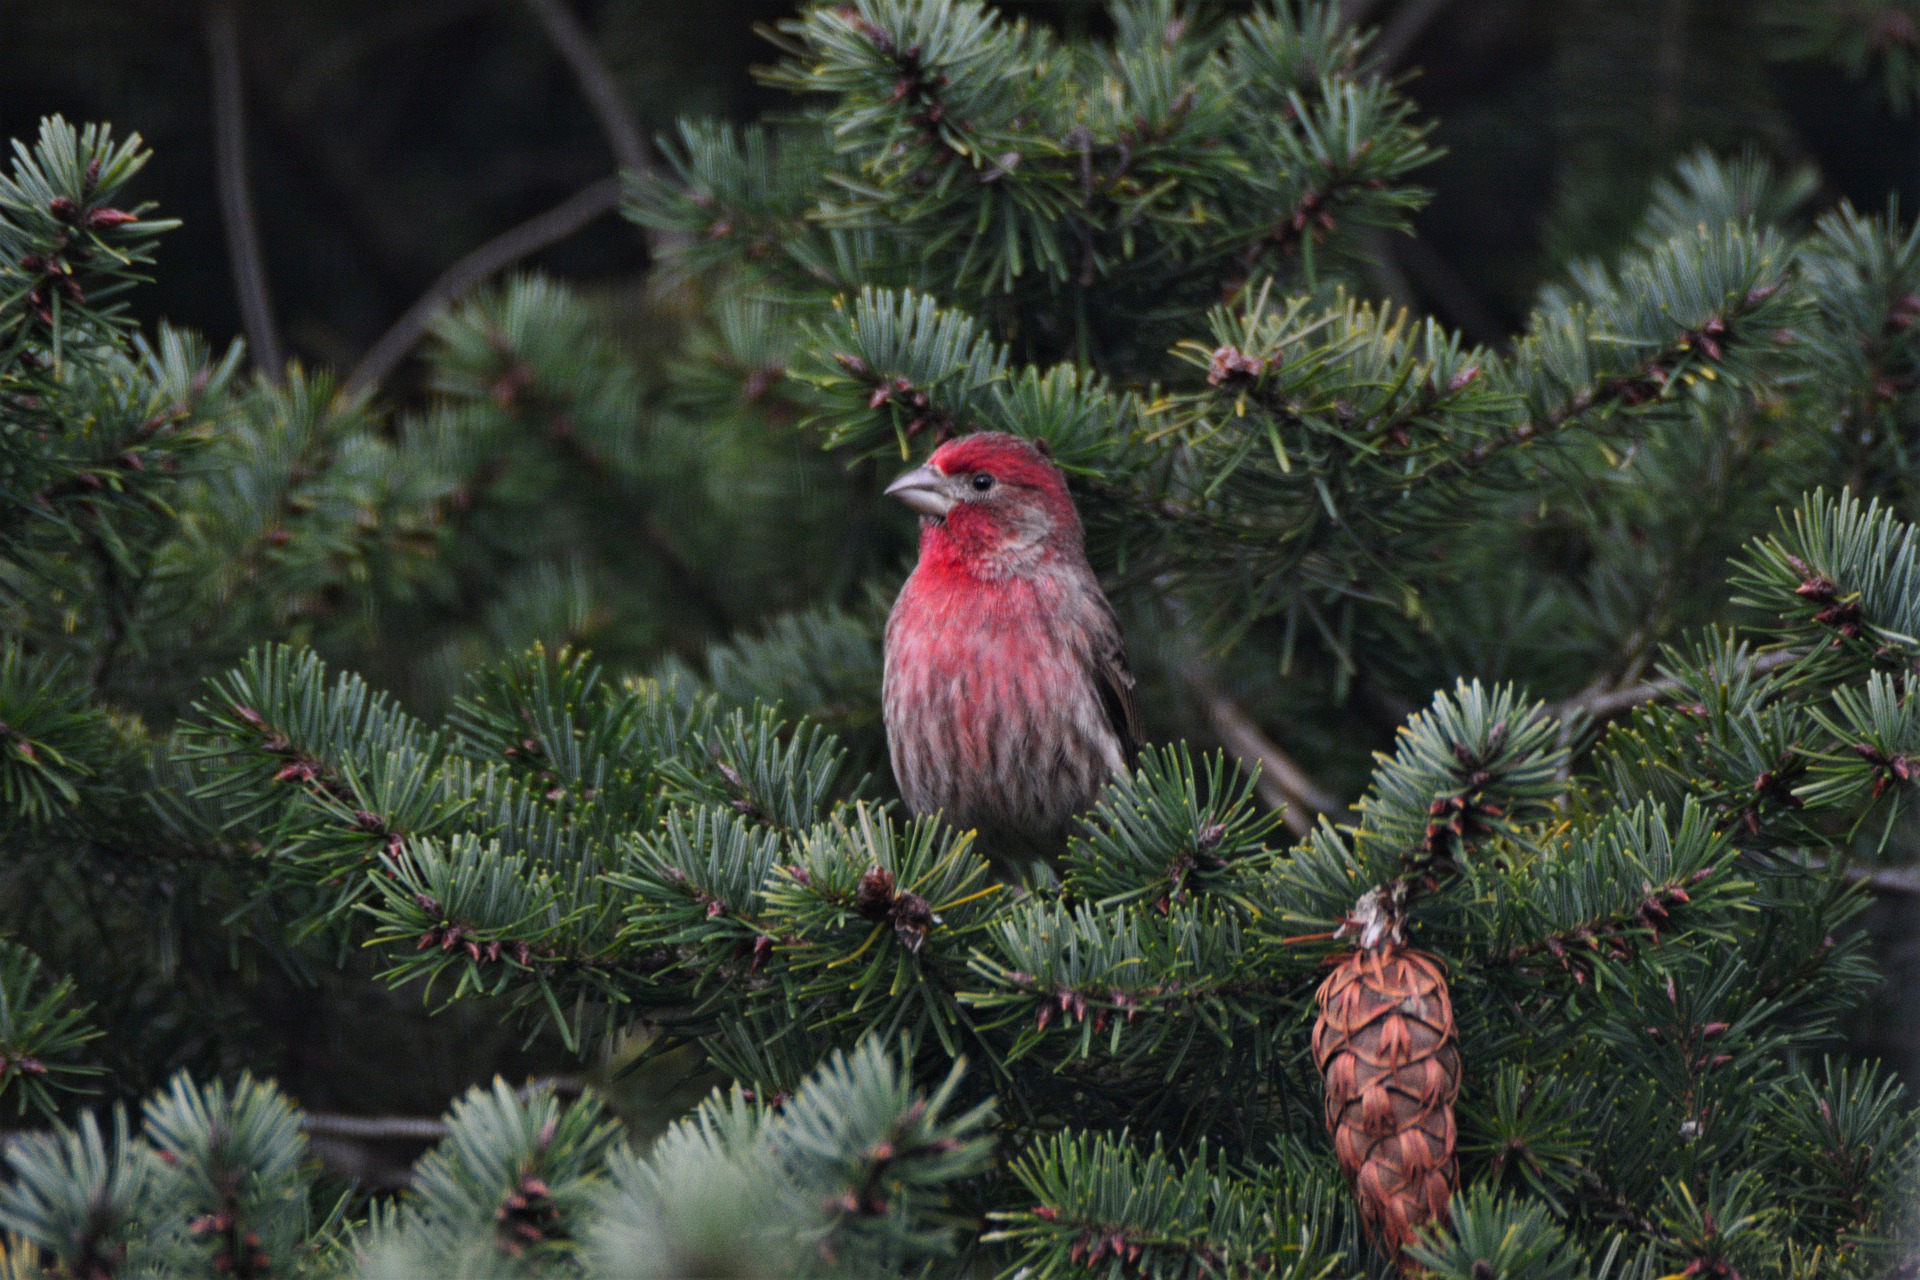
(1386, 1047)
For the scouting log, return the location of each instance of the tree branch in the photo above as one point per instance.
(1282, 783)
(236, 198)
(629, 148)
(596, 82)
(372, 1128)
(1898, 882)
(1886, 882)
(1599, 703)
(536, 233)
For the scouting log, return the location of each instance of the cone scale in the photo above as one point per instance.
(1388, 1053)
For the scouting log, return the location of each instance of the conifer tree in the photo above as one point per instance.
(1552, 984)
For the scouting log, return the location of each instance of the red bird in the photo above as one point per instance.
(1007, 694)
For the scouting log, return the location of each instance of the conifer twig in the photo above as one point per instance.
(236, 197)
(1282, 783)
(556, 224)
(1598, 703)
(1885, 882)
(1898, 882)
(373, 1128)
(596, 82)
(345, 1128)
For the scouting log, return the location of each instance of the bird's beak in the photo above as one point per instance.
(923, 489)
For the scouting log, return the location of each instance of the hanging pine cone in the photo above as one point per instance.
(1387, 1050)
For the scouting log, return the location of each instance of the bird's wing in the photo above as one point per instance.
(1113, 679)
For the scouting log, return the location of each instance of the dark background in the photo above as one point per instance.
(389, 137)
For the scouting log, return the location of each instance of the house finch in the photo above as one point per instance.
(1007, 695)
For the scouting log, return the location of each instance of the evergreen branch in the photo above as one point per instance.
(1500, 1236)
(1630, 879)
(79, 1199)
(236, 197)
(1730, 739)
(881, 920)
(1840, 1142)
(515, 1167)
(731, 196)
(857, 1160)
(1841, 576)
(1129, 984)
(43, 1026)
(1697, 308)
(1598, 702)
(901, 365)
(1477, 763)
(231, 1163)
(1106, 1206)
(51, 741)
(1164, 833)
(67, 251)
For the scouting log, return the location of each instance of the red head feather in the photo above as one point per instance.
(1022, 518)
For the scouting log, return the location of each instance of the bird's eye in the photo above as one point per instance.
(982, 482)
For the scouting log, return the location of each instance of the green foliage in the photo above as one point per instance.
(43, 1028)
(1875, 39)
(1105, 1202)
(289, 677)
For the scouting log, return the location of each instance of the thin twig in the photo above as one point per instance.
(1888, 882)
(342, 1128)
(1282, 783)
(1599, 703)
(1895, 882)
(236, 197)
(495, 255)
(373, 1128)
(596, 82)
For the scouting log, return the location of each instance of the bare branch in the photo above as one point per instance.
(1886, 882)
(1599, 702)
(495, 255)
(341, 1128)
(1282, 783)
(373, 1128)
(236, 197)
(1898, 882)
(596, 82)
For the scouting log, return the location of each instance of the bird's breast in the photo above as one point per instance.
(992, 717)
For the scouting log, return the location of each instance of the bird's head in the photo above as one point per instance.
(991, 502)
